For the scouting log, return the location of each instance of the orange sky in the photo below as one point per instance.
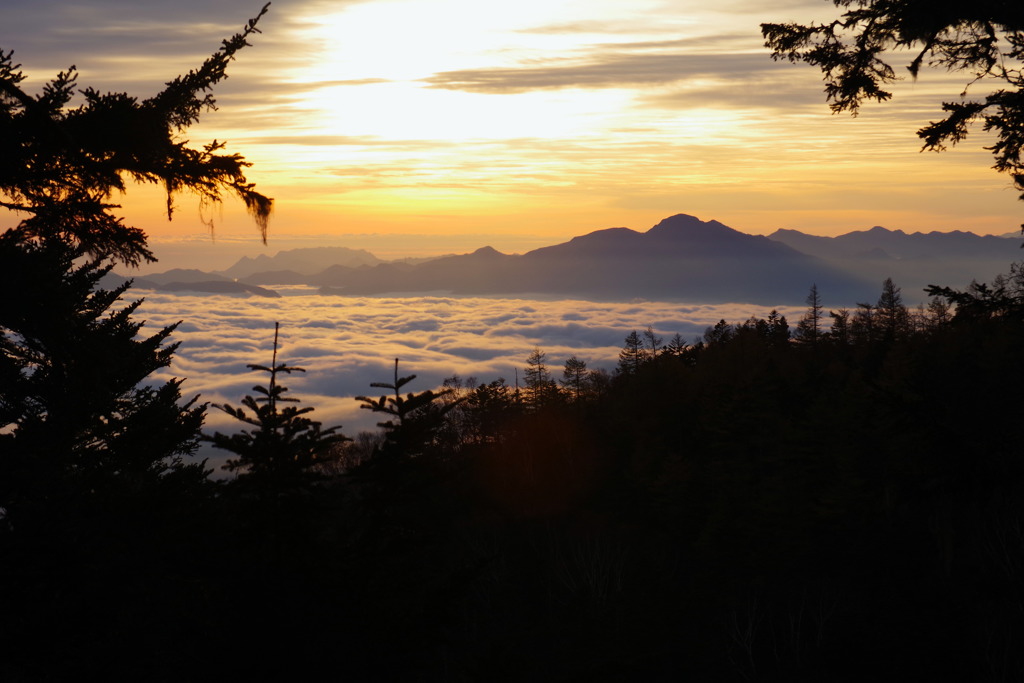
(432, 126)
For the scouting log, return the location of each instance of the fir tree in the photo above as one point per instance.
(778, 329)
(721, 333)
(809, 328)
(414, 418)
(632, 355)
(676, 346)
(285, 446)
(76, 415)
(864, 324)
(892, 315)
(540, 389)
(60, 164)
(574, 377)
(840, 330)
(984, 39)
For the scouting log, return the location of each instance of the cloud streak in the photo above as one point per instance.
(603, 71)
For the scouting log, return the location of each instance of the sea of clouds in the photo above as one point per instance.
(344, 343)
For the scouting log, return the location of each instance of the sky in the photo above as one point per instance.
(415, 127)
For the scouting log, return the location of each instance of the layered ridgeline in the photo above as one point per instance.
(916, 259)
(680, 259)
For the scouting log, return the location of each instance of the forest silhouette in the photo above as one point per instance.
(835, 500)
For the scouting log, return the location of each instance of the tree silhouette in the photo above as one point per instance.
(77, 416)
(574, 377)
(653, 342)
(283, 450)
(676, 346)
(60, 164)
(540, 388)
(984, 39)
(721, 333)
(892, 315)
(808, 329)
(632, 355)
(414, 417)
(840, 330)
(778, 329)
(864, 324)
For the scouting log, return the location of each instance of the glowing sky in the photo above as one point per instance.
(432, 126)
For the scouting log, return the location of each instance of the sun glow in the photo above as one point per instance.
(453, 115)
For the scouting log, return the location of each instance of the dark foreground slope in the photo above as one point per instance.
(845, 507)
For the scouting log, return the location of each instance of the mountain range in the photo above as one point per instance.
(682, 258)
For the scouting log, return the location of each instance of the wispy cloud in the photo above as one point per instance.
(620, 69)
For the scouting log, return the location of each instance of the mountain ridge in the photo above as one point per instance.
(681, 258)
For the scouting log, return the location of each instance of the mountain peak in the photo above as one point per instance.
(692, 227)
(879, 230)
(487, 251)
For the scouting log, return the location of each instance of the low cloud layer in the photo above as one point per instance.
(346, 343)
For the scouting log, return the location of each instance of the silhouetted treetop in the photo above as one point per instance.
(985, 39)
(61, 163)
(284, 447)
(415, 417)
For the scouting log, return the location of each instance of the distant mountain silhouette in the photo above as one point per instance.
(682, 258)
(900, 245)
(307, 261)
(685, 258)
(913, 260)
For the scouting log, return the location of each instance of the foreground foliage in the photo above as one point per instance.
(99, 498)
(983, 39)
(844, 504)
(60, 163)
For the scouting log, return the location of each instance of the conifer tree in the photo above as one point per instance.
(864, 324)
(76, 419)
(809, 328)
(60, 164)
(892, 314)
(721, 333)
(414, 418)
(574, 377)
(778, 329)
(540, 387)
(983, 39)
(632, 355)
(676, 346)
(840, 330)
(75, 415)
(653, 342)
(938, 311)
(285, 446)
(490, 405)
